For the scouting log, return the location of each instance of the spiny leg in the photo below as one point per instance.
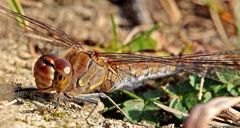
(79, 99)
(99, 95)
(25, 93)
(40, 95)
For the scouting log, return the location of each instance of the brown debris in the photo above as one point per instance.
(202, 115)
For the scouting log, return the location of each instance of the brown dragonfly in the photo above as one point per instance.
(82, 71)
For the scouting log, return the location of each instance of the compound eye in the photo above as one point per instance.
(63, 66)
(60, 77)
(44, 71)
(49, 59)
(63, 75)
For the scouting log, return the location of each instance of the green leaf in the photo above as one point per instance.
(180, 89)
(207, 96)
(134, 108)
(142, 42)
(217, 88)
(229, 76)
(238, 89)
(190, 100)
(234, 92)
(230, 87)
(194, 82)
(153, 94)
(177, 104)
(150, 113)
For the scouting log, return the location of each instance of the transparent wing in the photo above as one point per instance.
(41, 30)
(221, 66)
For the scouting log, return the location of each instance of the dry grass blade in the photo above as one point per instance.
(219, 26)
(171, 110)
(171, 8)
(201, 115)
(236, 7)
(231, 114)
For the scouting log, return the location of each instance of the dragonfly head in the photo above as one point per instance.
(52, 73)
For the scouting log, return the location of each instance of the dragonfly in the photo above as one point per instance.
(84, 72)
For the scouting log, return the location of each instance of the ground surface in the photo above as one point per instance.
(86, 21)
(16, 70)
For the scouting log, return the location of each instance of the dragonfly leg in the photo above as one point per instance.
(41, 95)
(58, 99)
(107, 97)
(34, 94)
(79, 99)
(103, 95)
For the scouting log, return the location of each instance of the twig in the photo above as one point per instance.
(201, 88)
(171, 110)
(231, 115)
(219, 124)
(9, 103)
(201, 115)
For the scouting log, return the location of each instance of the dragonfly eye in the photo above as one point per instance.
(44, 71)
(49, 63)
(52, 73)
(62, 75)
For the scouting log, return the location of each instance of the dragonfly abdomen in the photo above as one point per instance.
(131, 76)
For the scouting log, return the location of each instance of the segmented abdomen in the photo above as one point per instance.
(130, 76)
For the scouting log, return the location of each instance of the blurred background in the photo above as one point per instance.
(156, 27)
(189, 26)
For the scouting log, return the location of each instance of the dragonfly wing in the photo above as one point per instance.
(219, 73)
(131, 70)
(219, 66)
(40, 30)
(226, 58)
